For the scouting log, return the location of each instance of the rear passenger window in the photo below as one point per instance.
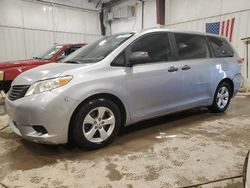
(191, 46)
(221, 47)
(156, 45)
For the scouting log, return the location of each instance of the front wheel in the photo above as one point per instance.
(96, 124)
(222, 98)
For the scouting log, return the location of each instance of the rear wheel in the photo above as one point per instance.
(96, 124)
(222, 98)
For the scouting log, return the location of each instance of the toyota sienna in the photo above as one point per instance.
(119, 80)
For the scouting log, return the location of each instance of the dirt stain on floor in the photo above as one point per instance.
(113, 173)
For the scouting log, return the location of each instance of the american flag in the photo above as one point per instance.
(224, 28)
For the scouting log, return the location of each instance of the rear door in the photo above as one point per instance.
(195, 70)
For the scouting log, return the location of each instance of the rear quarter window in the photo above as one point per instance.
(221, 47)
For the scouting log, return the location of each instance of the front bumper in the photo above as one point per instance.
(49, 110)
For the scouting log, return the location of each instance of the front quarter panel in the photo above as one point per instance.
(108, 80)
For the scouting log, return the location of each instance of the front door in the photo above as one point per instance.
(155, 86)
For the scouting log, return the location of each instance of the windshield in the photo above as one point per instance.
(98, 50)
(49, 53)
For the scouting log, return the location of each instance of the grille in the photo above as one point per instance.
(17, 92)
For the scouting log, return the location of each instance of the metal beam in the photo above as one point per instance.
(160, 11)
(142, 13)
(98, 3)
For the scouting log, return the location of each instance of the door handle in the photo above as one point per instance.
(186, 67)
(172, 69)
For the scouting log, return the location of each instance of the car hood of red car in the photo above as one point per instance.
(18, 63)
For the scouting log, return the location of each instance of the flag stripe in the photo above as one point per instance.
(227, 27)
(222, 28)
(231, 29)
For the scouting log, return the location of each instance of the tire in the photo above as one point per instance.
(221, 101)
(96, 124)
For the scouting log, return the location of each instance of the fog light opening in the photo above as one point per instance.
(40, 129)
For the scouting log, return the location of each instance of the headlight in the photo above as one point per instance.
(47, 85)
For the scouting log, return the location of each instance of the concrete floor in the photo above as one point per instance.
(179, 150)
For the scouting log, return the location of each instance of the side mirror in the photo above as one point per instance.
(139, 57)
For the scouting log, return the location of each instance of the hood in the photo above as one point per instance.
(43, 72)
(8, 64)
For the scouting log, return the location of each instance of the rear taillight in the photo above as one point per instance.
(240, 61)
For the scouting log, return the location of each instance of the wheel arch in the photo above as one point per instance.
(109, 96)
(230, 82)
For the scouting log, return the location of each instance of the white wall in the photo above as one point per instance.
(194, 14)
(28, 28)
(186, 10)
(134, 23)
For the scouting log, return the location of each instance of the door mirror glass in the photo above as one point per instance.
(139, 57)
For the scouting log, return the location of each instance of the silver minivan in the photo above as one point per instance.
(119, 80)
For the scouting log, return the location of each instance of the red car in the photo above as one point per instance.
(9, 70)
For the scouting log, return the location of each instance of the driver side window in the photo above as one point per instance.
(156, 45)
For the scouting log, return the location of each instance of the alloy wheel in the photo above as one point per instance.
(98, 124)
(222, 97)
